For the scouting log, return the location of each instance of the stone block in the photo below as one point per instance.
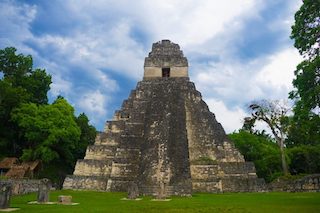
(44, 190)
(5, 195)
(65, 199)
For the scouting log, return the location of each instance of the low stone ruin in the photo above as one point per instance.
(65, 199)
(133, 191)
(309, 183)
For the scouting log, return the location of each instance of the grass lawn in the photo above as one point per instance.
(233, 202)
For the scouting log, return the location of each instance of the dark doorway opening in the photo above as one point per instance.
(165, 72)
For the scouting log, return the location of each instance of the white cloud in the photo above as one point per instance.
(110, 38)
(60, 86)
(94, 104)
(15, 20)
(279, 72)
(231, 119)
(231, 86)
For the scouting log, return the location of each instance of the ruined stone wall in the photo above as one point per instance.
(309, 183)
(23, 186)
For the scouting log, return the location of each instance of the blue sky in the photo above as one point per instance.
(238, 50)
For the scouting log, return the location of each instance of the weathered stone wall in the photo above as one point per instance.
(165, 54)
(156, 72)
(23, 186)
(89, 167)
(165, 151)
(310, 183)
(206, 136)
(96, 183)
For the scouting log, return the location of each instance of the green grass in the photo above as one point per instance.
(233, 202)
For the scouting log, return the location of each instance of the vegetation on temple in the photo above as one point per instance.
(30, 127)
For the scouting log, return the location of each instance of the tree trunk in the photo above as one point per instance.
(283, 157)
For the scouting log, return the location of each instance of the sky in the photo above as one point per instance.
(238, 50)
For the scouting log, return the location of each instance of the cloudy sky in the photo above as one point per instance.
(238, 50)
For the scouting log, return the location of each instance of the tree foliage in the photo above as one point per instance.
(261, 150)
(305, 126)
(49, 131)
(304, 159)
(17, 71)
(306, 29)
(307, 84)
(32, 129)
(87, 137)
(19, 84)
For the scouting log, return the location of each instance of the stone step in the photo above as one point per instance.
(155, 190)
(214, 186)
(115, 126)
(80, 182)
(121, 115)
(123, 170)
(238, 168)
(243, 184)
(100, 152)
(91, 167)
(110, 138)
(127, 153)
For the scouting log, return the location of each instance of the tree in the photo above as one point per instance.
(306, 29)
(87, 137)
(304, 159)
(17, 71)
(19, 84)
(307, 84)
(306, 34)
(50, 131)
(304, 127)
(261, 150)
(274, 114)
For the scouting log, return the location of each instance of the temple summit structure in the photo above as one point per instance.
(164, 139)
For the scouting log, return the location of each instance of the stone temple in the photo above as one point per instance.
(164, 139)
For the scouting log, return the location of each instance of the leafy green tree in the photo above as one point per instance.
(50, 131)
(15, 67)
(304, 159)
(19, 84)
(306, 29)
(32, 129)
(17, 71)
(87, 137)
(261, 150)
(307, 84)
(305, 32)
(304, 128)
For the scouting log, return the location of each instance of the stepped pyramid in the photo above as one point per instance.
(164, 138)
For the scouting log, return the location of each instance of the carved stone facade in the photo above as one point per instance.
(164, 139)
(165, 60)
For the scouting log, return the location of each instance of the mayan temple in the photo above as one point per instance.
(164, 138)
